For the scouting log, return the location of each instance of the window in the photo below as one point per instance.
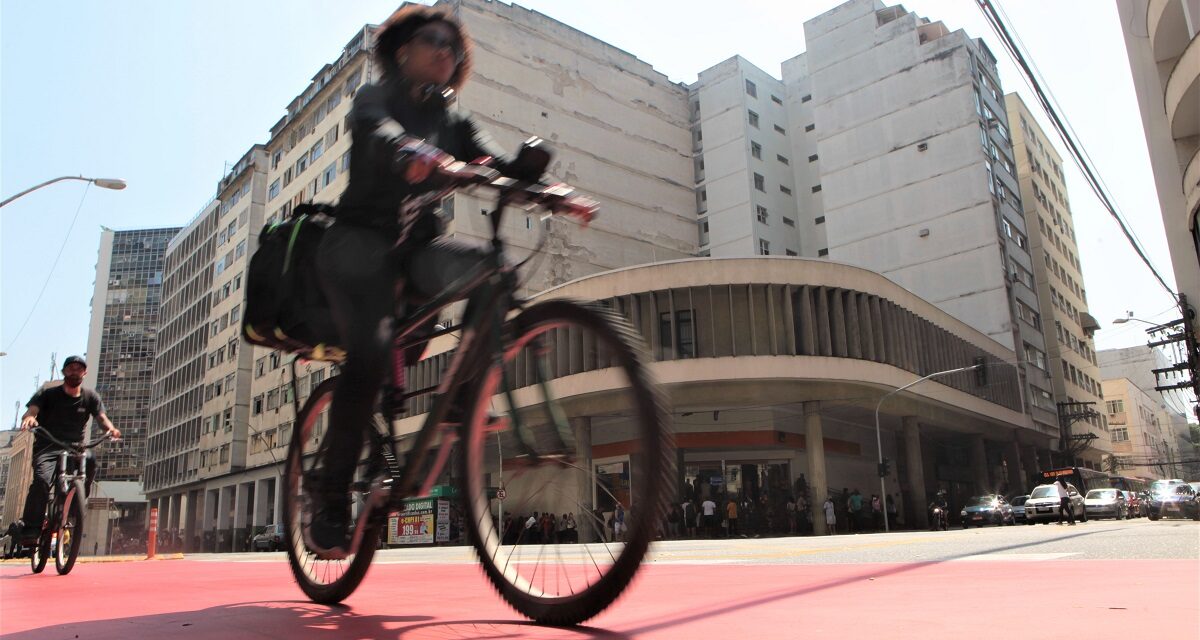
(785, 190)
(812, 158)
(345, 162)
(761, 213)
(754, 119)
(287, 176)
(810, 127)
(781, 159)
(779, 129)
(1115, 406)
(260, 367)
(816, 189)
(764, 247)
(332, 136)
(685, 334)
(235, 314)
(1035, 356)
(273, 190)
(789, 252)
(776, 100)
(329, 175)
(819, 220)
(751, 90)
(756, 150)
(241, 248)
(274, 360)
(272, 399)
(301, 164)
(806, 97)
(823, 252)
(760, 182)
(1120, 434)
(789, 222)
(257, 406)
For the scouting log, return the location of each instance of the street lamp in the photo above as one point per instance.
(105, 183)
(879, 437)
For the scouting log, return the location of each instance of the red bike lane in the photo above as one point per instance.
(993, 599)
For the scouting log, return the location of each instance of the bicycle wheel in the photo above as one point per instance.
(40, 553)
(327, 578)
(596, 436)
(70, 529)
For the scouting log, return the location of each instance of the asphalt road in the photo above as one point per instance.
(1105, 579)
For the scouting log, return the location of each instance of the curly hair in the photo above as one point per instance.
(398, 29)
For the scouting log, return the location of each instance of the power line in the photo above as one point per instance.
(52, 268)
(1082, 161)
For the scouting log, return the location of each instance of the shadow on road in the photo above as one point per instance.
(298, 619)
(865, 575)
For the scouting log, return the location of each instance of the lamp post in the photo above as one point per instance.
(105, 183)
(879, 437)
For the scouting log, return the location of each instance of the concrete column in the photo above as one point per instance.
(280, 487)
(587, 527)
(979, 465)
(1016, 471)
(914, 497)
(818, 486)
(241, 508)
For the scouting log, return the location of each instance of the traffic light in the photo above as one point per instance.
(884, 468)
(980, 371)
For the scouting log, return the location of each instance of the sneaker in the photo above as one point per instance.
(330, 528)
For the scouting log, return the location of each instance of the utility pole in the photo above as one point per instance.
(1187, 351)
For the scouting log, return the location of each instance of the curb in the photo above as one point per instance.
(104, 559)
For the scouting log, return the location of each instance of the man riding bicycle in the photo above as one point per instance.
(403, 136)
(63, 411)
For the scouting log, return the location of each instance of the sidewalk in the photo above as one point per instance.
(100, 559)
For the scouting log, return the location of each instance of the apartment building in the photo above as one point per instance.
(1162, 38)
(1142, 438)
(1071, 374)
(123, 340)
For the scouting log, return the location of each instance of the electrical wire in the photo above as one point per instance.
(1082, 161)
(53, 266)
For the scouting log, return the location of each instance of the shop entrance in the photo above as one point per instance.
(760, 488)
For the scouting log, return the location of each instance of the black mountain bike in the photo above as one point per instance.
(62, 527)
(554, 419)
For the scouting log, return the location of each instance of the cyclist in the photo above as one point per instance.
(402, 133)
(63, 411)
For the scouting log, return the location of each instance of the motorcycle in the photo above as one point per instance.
(937, 518)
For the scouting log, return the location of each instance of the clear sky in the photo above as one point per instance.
(163, 94)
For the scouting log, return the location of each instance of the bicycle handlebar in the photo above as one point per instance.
(557, 198)
(77, 447)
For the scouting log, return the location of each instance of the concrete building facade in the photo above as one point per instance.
(1144, 443)
(1070, 379)
(1162, 38)
(123, 340)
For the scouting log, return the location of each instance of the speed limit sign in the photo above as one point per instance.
(501, 494)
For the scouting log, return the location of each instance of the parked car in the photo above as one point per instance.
(1042, 505)
(1018, 507)
(987, 509)
(1173, 500)
(1106, 503)
(269, 538)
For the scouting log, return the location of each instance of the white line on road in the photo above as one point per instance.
(1013, 557)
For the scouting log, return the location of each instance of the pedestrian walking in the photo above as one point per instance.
(877, 512)
(731, 516)
(689, 518)
(1064, 502)
(830, 516)
(710, 517)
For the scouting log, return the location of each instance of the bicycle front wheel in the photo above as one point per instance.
(324, 578)
(70, 529)
(40, 553)
(568, 456)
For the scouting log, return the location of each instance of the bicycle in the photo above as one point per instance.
(529, 379)
(62, 526)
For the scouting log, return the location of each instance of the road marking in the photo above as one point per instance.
(1013, 557)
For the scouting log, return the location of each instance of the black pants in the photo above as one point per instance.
(1064, 507)
(45, 466)
(359, 274)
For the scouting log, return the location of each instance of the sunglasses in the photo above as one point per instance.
(437, 40)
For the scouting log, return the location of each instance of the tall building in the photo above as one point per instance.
(123, 340)
(17, 455)
(1162, 38)
(909, 169)
(745, 188)
(1068, 364)
(6, 441)
(1135, 364)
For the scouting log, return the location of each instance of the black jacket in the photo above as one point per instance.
(383, 115)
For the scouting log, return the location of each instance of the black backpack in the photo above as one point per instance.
(285, 307)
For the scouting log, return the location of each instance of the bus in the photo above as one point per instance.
(1082, 478)
(1125, 483)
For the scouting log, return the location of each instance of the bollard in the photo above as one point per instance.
(152, 534)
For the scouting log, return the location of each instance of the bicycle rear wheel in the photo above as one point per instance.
(325, 578)
(596, 436)
(70, 529)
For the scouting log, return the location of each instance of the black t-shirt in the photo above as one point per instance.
(63, 415)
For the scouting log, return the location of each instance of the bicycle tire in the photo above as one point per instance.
(40, 553)
(310, 574)
(653, 471)
(70, 529)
